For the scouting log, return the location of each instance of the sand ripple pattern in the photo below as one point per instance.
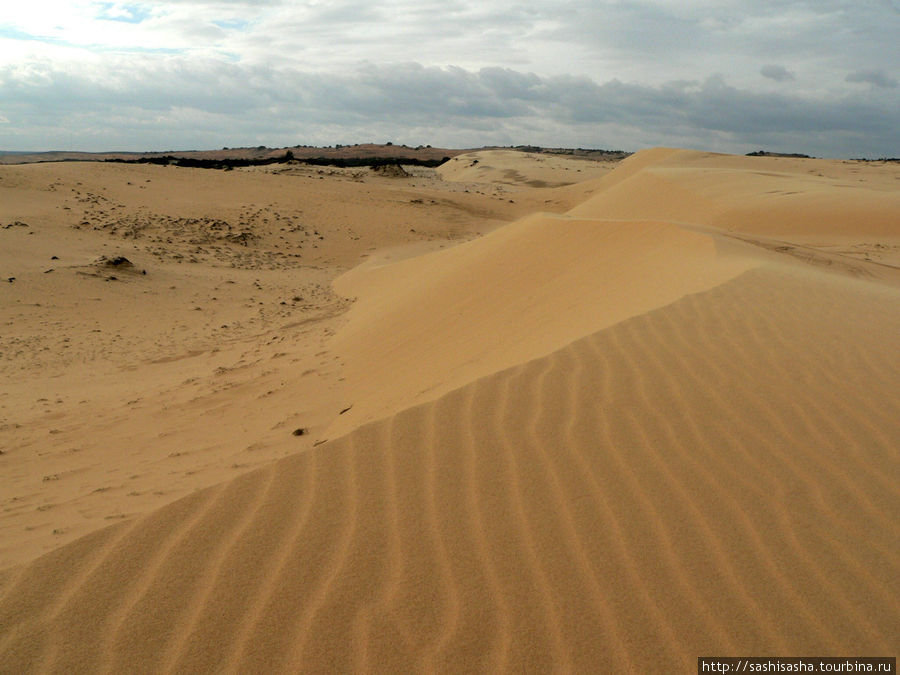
(719, 476)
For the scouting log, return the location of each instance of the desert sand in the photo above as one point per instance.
(520, 413)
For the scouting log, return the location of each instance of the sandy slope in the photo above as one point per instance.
(704, 478)
(796, 200)
(430, 324)
(114, 384)
(512, 167)
(609, 441)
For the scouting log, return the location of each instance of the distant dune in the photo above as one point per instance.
(517, 414)
(532, 169)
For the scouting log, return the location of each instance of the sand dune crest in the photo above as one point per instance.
(432, 323)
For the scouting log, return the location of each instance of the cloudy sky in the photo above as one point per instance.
(812, 76)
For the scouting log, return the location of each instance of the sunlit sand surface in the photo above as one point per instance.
(519, 413)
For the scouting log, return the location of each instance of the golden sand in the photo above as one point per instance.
(523, 413)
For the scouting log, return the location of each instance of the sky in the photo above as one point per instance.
(820, 77)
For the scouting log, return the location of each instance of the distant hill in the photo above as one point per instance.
(349, 155)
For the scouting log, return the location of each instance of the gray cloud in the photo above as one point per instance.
(777, 73)
(876, 77)
(624, 73)
(183, 102)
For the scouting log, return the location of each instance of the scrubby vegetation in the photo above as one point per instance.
(766, 153)
(231, 163)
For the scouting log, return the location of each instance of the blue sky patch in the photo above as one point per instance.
(232, 24)
(11, 33)
(127, 13)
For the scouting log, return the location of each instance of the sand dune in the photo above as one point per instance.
(761, 195)
(431, 323)
(655, 427)
(716, 476)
